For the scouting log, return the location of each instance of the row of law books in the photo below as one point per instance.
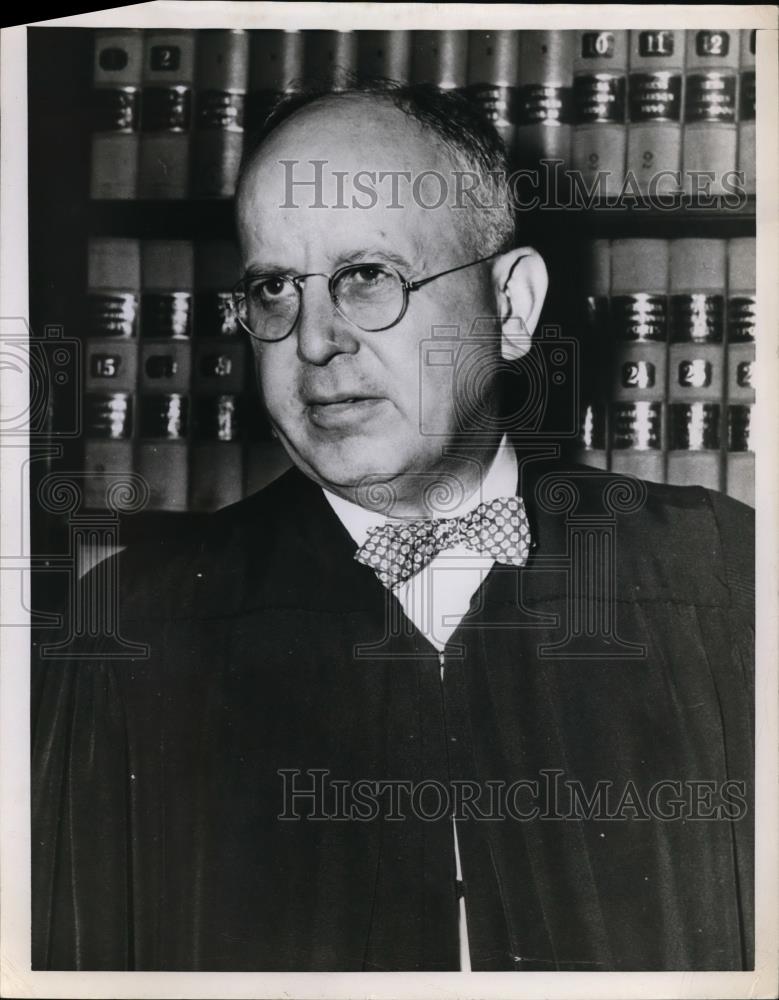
(656, 112)
(167, 381)
(668, 388)
(667, 345)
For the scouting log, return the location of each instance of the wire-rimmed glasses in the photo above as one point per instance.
(372, 296)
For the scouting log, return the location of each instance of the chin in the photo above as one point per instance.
(354, 462)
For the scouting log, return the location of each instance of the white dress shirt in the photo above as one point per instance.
(438, 596)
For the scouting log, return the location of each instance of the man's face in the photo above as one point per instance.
(346, 403)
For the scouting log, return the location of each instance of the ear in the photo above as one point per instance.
(520, 280)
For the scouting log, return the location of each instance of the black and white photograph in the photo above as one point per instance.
(390, 489)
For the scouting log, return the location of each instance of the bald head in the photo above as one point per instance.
(358, 248)
(394, 148)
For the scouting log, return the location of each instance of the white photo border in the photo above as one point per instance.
(16, 978)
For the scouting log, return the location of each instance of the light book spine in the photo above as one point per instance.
(746, 111)
(696, 362)
(742, 326)
(655, 110)
(385, 54)
(116, 113)
(710, 130)
(275, 71)
(330, 57)
(217, 141)
(544, 97)
(639, 333)
(218, 378)
(111, 361)
(440, 58)
(166, 114)
(493, 73)
(165, 371)
(598, 142)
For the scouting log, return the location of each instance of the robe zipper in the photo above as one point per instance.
(465, 955)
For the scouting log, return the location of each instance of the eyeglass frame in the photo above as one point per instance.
(298, 279)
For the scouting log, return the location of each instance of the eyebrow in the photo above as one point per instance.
(371, 253)
(344, 260)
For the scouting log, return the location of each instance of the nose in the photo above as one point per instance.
(322, 333)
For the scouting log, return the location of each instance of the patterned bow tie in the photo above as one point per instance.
(498, 528)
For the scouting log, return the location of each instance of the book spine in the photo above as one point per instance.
(276, 61)
(593, 423)
(598, 142)
(440, 58)
(696, 362)
(165, 371)
(492, 75)
(166, 114)
(740, 392)
(639, 333)
(217, 141)
(330, 57)
(710, 130)
(544, 97)
(218, 378)
(385, 54)
(656, 65)
(111, 361)
(116, 113)
(746, 111)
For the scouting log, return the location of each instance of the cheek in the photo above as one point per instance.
(274, 371)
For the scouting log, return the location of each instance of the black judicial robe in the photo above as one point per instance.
(158, 785)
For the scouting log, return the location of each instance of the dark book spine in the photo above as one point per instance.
(598, 142)
(544, 97)
(710, 130)
(655, 110)
(111, 362)
(696, 362)
(385, 54)
(166, 114)
(276, 67)
(440, 58)
(639, 334)
(165, 371)
(740, 392)
(493, 74)
(116, 113)
(217, 140)
(218, 378)
(746, 111)
(593, 423)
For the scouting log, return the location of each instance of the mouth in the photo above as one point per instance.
(341, 410)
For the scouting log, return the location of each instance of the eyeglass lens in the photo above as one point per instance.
(371, 296)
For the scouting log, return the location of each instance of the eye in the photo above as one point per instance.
(268, 289)
(369, 274)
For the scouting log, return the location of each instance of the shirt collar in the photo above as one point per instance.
(500, 481)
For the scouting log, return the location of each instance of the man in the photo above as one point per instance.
(394, 621)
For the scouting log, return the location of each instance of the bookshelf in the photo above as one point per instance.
(589, 98)
(200, 219)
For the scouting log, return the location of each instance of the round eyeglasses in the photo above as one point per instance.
(371, 296)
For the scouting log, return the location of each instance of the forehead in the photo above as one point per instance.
(343, 170)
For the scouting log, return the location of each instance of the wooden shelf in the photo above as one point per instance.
(213, 219)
